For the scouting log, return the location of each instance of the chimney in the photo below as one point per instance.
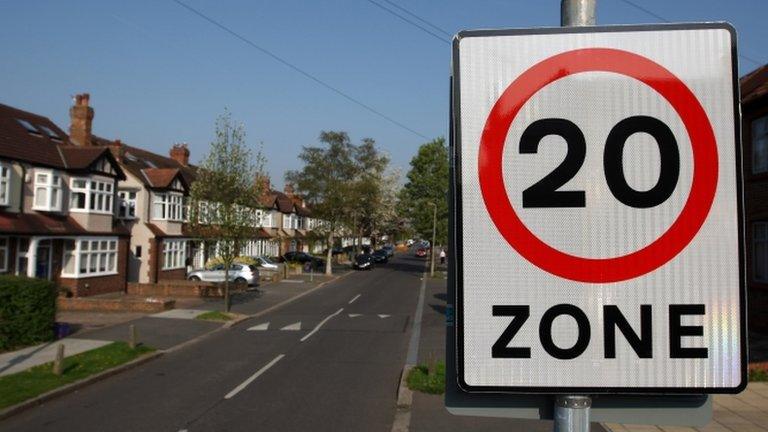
(117, 149)
(81, 120)
(288, 189)
(180, 153)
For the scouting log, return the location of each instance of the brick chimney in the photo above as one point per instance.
(180, 153)
(118, 150)
(81, 120)
(288, 189)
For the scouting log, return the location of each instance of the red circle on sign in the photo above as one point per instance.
(598, 270)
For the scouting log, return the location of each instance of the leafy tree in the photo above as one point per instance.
(224, 193)
(327, 182)
(427, 185)
(370, 194)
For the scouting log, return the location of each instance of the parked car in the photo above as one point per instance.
(421, 252)
(303, 257)
(389, 249)
(265, 263)
(239, 273)
(363, 262)
(380, 256)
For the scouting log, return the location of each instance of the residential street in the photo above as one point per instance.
(342, 376)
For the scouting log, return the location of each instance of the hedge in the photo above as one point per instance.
(27, 311)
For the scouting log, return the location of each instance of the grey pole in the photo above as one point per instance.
(572, 411)
(432, 246)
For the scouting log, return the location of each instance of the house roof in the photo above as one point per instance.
(754, 85)
(160, 170)
(285, 204)
(48, 224)
(45, 143)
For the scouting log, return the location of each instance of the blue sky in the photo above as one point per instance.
(158, 74)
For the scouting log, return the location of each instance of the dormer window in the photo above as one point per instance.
(91, 195)
(29, 127)
(5, 183)
(168, 206)
(47, 191)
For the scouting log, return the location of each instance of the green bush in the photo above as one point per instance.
(27, 311)
(239, 260)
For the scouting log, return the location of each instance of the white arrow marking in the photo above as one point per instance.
(354, 315)
(383, 316)
(294, 326)
(260, 327)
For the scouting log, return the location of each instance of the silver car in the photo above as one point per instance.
(240, 273)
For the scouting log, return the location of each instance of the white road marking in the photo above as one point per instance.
(260, 327)
(250, 379)
(354, 298)
(320, 324)
(354, 315)
(293, 327)
(384, 316)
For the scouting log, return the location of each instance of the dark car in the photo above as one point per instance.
(303, 257)
(380, 256)
(363, 262)
(389, 249)
(421, 252)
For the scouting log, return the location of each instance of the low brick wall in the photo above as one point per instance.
(95, 304)
(182, 288)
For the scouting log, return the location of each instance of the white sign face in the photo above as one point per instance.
(599, 214)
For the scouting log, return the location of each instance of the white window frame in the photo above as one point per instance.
(5, 183)
(99, 195)
(94, 256)
(4, 249)
(266, 220)
(172, 205)
(49, 186)
(759, 164)
(126, 204)
(174, 254)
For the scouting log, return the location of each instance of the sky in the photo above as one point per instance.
(158, 74)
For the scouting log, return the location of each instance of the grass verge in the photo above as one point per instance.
(758, 374)
(18, 387)
(427, 379)
(215, 316)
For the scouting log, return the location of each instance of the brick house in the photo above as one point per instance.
(150, 202)
(754, 107)
(57, 199)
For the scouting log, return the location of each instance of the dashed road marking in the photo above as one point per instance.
(354, 298)
(355, 315)
(250, 379)
(295, 326)
(320, 324)
(384, 316)
(259, 327)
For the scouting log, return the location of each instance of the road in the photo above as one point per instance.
(337, 372)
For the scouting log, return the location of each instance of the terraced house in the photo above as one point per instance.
(57, 201)
(94, 213)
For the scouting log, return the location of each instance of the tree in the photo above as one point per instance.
(326, 182)
(427, 185)
(369, 197)
(225, 193)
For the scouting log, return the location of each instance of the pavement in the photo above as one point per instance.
(17, 361)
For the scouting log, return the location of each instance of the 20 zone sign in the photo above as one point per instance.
(598, 192)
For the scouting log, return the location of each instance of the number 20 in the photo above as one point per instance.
(544, 193)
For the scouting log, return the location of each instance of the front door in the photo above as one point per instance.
(43, 260)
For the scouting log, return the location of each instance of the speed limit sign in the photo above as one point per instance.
(598, 201)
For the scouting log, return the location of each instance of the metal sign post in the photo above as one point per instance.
(572, 411)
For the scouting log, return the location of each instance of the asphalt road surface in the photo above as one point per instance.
(330, 361)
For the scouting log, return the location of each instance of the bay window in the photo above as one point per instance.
(168, 206)
(127, 209)
(47, 191)
(5, 183)
(92, 196)
(174, 254)
(89, 257)
(3, 254)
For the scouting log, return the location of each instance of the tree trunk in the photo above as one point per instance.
(226, 288)
(329, 256)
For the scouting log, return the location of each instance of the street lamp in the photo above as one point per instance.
(432, 246)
